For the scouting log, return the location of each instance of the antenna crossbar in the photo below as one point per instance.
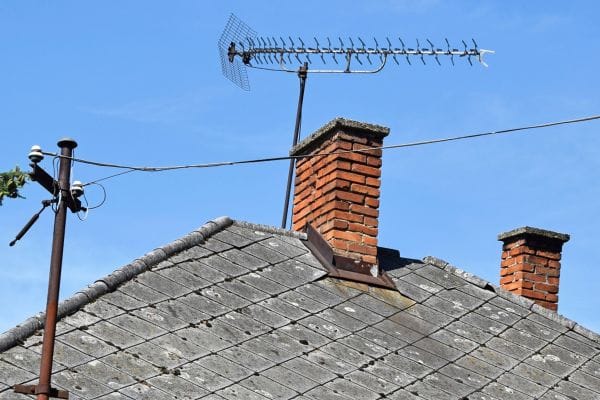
(249, 52)
(241, 47)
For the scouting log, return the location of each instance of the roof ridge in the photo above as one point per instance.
(270, 229)
(110, 282)
(520, 300)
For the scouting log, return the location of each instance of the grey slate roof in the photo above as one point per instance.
(241, 311)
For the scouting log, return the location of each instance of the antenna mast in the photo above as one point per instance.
(241, 48)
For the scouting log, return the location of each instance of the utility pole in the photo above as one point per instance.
(64, 197)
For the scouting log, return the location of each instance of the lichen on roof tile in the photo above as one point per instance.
(243, 310)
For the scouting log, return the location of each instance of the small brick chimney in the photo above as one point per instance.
(530, 264)
(339, 194)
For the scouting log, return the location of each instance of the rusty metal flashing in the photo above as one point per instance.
(344, 267)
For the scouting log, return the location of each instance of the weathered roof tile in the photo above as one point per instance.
(236, 310)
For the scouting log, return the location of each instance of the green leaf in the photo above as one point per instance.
(10, 183)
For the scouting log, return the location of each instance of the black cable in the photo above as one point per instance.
(281, 158)
(103, 199)
(109, 176)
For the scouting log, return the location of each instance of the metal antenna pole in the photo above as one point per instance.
(302, 74)
(240, 48)
(43, 389)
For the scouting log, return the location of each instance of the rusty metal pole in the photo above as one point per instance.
(302, 74)
(44, 388)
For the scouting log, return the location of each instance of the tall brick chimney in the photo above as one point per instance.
(530, 264)
(339, 194)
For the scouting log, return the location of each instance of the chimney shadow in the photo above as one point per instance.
(390, 260)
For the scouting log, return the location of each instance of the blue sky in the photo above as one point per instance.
(139, 82)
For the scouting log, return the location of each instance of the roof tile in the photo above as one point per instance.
(246, 311)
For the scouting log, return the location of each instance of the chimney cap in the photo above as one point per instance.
(332, 127)
(533, 232)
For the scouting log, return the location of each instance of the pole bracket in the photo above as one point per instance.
(53, 187)
(38, 389)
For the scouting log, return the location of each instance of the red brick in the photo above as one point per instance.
(349, 176)
(552, 297)
(547, 304)
(354, 157)
(518, 285)
(357, 248)
(521, 250)
(335, 145)
(530, 276)
(346, 216)
(302, 205)
(369, 221)
(342, 136)
(354, 227)
(510, 245)
(373, 152)
(374, 161)
(531, 294)
(369, 191)
(336, 184)
(553, 264)
(298, 214)
(518, 267)
(331, 205)
(536, 260)
(369, 240)
(332, 167)
(373, 182)
(348, 196)
(546, 288)
(338, 244)
(337, 224)
(369, 259)
(301, 197)
(550, 272)
(366, 170)
(371, 212)
(506, 279)
(522, 259)
(320, 183)
(548, 254)
(371, 202)
(345, 235)
(301, 185)
(508, 262)
(553, 280)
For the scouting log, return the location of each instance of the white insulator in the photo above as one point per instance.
(77, 189)
(35, 154)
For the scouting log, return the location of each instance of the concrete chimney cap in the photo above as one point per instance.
(335, 125)
(529, 231)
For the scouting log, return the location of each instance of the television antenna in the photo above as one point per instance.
(241, 48)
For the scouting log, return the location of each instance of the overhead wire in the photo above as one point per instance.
(129, 168)
(103, 198)
(56, 194)
(109, 177)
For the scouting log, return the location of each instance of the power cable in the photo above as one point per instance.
(130, 169)
(95, 182)
(103, 198)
